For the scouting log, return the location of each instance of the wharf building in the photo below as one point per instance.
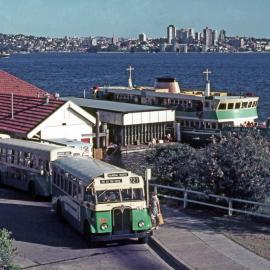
(129, 123)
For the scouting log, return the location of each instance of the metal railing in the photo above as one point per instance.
(222, 202)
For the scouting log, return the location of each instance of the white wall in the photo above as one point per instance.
(65, 123)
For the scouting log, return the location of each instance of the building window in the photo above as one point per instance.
(206, 104)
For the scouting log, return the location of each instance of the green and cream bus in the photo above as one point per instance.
(100, 200)
(26, 165)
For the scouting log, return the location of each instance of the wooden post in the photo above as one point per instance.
(185, 199)
(147, 178)
(230, 212)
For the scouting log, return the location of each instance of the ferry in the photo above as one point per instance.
(200, 113)
(4, 54)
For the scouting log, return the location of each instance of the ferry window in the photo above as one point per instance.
(254, 104)
(230, 106)
(182, 123)
(244, 105)
(219, 125)
(208, 125)
(214, 126)
(108, 196)
(222, 106)
(187, 125)
(197, 124)
(192, 124)
(237, 105)
(250, 104)
(206, 104)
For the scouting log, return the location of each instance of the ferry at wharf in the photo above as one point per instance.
(199, 113)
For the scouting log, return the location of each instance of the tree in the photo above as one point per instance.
(237, 166)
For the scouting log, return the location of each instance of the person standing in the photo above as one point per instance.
(155, 210)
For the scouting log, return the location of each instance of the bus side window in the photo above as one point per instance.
(54, 177)
(66, 185)
(62, 182)
(58, 180)
(74, 190)
(69, 188)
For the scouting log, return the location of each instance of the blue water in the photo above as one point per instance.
(69, 74)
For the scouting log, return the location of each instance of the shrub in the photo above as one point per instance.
(237, 166)
(6, 251)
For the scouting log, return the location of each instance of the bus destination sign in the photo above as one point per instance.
(117, 174)
(110, 181)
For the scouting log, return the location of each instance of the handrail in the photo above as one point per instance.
(207, 195)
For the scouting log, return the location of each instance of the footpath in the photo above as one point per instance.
(194, 245)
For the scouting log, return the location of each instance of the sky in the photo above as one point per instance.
(128, 18)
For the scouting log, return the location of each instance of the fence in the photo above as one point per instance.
(222, 202)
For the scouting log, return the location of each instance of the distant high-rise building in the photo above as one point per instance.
(207, 37)
(198, 36)
(114, 40)
(93, 42)
(222, 36)
(171, 33)
(191, 33)
(142, 37)
(214, 37)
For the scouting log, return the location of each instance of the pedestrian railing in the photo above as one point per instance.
(226, 203)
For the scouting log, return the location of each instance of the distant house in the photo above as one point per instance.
(28, 112)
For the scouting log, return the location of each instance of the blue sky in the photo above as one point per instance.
(128, 18)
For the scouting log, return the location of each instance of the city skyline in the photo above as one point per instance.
(130, 18)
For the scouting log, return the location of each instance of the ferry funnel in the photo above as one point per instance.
(167, 83)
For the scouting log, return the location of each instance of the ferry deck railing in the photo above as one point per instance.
(221, 202)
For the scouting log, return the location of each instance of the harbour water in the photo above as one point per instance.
(71, 73)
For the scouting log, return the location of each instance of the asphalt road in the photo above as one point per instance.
(43, 242)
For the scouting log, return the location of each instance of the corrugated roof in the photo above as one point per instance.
(113, 106)
(86, 169)
(28, 113)
(11, 84)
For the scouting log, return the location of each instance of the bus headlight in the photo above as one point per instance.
(103, 226)
(141, 224)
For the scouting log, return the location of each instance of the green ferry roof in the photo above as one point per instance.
(86, 169)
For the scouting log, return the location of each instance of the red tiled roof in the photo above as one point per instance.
(11, 84)
(28, 113)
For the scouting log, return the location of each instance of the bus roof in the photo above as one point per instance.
(34, 147)
(86, 169)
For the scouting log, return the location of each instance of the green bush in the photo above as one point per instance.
(6, 251)
(237, 166)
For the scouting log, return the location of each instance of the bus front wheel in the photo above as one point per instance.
(87, 234)
(59, 211)
(143, 240)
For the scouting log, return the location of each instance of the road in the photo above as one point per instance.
(43, 242)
